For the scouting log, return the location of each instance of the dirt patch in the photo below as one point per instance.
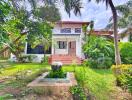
(44, 97)
(121, 95)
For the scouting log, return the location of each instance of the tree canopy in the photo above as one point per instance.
(16, 21)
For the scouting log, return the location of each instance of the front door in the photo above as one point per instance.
(72, 48)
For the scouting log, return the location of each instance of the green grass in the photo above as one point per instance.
(15, 68)
(99, 82)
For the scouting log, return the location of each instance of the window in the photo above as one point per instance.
(77, 30)
(62, 44)
(39, 49)
(66, 30)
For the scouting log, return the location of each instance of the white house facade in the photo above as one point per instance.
(67, 37)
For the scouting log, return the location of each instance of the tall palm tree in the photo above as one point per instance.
(124, 15)
(76, 5)
(124, 18)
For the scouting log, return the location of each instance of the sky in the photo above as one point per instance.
(91, 11)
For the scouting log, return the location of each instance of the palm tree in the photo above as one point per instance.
(124, 15)
(76, 5)
(124, 18)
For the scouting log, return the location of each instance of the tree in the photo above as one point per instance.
(99, 53)
(21, 23)
(75, 5)
(124, 19)
(48, 13)
(124, 16)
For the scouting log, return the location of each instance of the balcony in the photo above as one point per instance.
(73, 31)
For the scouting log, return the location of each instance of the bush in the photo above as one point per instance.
(44, 60)
(27, 58)
(126, 52)
(56, 74)
(78, 93)
(99, 52)
(123, 75)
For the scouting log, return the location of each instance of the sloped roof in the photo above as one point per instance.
(103, 32)
(72, 22)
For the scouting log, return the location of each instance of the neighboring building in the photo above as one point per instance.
(104, 33)
(67, 41)
(125, 35)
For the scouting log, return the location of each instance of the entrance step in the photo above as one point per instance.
(65, 59)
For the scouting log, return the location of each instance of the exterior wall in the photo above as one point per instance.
(58, 36)
(58, 27)
(125, 39)
(67, 38)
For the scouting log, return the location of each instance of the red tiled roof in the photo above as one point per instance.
(102, 32)
(72, 22)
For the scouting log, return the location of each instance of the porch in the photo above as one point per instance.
(65, 59)
(66, 49)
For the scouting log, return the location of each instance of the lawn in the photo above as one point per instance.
(98, 82)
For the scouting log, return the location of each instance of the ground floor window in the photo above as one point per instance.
(62, 44)
(39, 49)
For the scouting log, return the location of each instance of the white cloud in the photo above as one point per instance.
(92, 11)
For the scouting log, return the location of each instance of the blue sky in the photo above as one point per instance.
(91, 11)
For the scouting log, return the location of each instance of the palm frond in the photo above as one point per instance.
(33, 3)
(123, 9)
(129, 3)
(74, 5)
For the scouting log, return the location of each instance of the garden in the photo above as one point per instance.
(105, 73)
(98, 83)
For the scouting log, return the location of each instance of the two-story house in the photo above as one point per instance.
(66, 43)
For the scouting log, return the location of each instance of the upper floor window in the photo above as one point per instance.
(66, 30)
(77, 30)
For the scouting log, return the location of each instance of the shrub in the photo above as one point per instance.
(123, 75)
(126, 52)
(78, 93)
(27, 58)
(44, 60)
(99, 52)
(56, 74)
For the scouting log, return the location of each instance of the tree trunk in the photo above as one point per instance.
(117, 53)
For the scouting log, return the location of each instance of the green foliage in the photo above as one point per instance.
(48, 13)
(56, 74)
(45, 60)
(126, 52)
(124, 15)
(78, 93)
(6, 96)
(39, 31)
(123, 75)
(4, 10)
(99, 52)
(27, 58)
(99, 83)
